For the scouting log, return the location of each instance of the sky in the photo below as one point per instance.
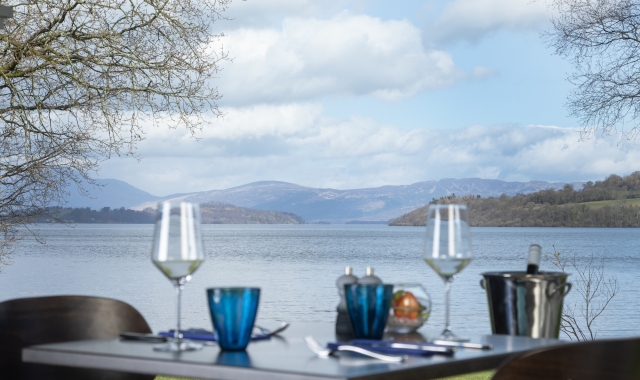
(351, 94)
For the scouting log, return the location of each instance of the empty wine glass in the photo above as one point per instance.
(178, 252)
(447, 249)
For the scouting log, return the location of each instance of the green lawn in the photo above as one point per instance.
(486, 375)
(472, 376)
(598, 204)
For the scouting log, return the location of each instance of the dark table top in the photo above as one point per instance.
(285, 357)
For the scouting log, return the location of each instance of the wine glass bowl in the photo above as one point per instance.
(178, 252)
(447, 248)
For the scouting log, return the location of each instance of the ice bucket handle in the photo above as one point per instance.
(566, 289)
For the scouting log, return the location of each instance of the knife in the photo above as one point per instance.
(142, 337)
(435, 343)
(448, 343)
(388, 346)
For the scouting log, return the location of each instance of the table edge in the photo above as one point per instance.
(157, 367)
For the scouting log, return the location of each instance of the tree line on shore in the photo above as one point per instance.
(608, 203)
(211, 213)
(104, 215)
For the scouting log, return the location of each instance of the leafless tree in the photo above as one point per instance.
(601, 38)
(595, 290)
(80, 80)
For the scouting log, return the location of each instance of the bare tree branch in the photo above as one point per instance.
(595, 290)
(80, 78)
(601, 39)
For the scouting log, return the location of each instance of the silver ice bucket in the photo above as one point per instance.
(525, 304)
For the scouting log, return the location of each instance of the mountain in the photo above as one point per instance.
(112, 193)
(315, 204)
(109, 193)
(369, 204)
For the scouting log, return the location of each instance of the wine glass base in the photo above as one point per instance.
(177, 346)
(451, 337)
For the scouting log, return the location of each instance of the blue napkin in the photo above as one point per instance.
(202, 334)
(385, 347)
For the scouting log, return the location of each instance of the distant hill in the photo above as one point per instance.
(614, 202)
(223, 213)
(317, 204)
(104, 216)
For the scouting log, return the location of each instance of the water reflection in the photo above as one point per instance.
(234, 358)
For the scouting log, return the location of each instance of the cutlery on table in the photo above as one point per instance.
(408, 348)
(268, 332)
(325, 352)
(433, 344)
(448, 343)
(142, 337)
(208, 337)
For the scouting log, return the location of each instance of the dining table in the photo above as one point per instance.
(284, 356)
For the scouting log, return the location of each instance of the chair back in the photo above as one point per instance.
(611, 359)
(40, 320)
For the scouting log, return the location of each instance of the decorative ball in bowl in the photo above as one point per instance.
(410, 308)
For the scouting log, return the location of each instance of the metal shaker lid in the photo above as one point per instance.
(370, 278)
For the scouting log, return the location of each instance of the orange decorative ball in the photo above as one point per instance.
(406, 306)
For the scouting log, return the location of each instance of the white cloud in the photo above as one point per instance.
(297, 143)
(471, 20)
(265, 13)
(352, 55)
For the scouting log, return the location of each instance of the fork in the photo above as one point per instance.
(267, 332)
(325, 352)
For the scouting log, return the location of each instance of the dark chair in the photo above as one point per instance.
(611, 359)
(30, 321)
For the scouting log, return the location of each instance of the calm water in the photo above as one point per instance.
(296, 267)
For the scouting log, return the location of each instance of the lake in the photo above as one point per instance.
(296, 267)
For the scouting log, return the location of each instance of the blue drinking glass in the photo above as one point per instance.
(233, 312)
(368, 307)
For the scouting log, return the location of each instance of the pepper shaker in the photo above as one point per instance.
(343, 326)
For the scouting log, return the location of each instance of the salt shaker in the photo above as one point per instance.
(342, 322)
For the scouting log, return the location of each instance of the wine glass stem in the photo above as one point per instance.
(447, 292)
(177, 334)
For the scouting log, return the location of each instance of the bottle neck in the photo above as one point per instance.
(534, 255)
(533, 261)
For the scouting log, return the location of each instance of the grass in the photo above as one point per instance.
(486, 375)
(598, 204)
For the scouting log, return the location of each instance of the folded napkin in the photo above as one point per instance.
(395, 347)
(202, 334)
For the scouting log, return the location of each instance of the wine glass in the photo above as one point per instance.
(447, 249)
(177, 251)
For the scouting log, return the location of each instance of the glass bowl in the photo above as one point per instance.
(410, 308)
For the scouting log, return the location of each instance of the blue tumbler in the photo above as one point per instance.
(368, 306)
(233, 312)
